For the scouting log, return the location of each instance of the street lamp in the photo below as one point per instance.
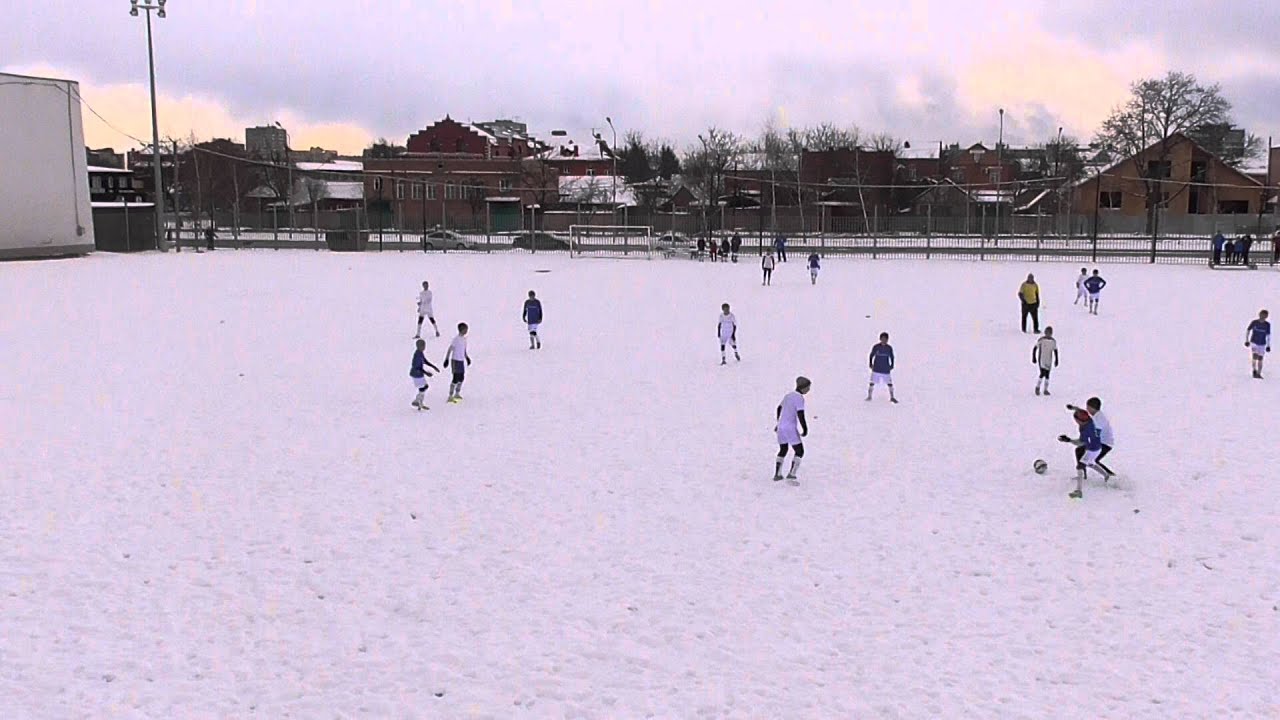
(614, 153)
(158, 6)
(288, 161)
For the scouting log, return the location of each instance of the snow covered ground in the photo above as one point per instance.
(215, 500)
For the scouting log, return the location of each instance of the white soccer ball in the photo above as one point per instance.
(1040, 467)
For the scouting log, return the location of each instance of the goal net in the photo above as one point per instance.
(624, 241)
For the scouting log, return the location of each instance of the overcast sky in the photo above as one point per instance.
(341, 73)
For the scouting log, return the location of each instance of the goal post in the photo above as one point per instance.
(623, 241)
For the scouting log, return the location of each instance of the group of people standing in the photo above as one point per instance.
(1236, 252)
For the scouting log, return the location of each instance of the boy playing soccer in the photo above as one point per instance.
(1081, 293)
(1258, 340)
(532, 315)
(727, 331)
(418, 373)
(1090, 443)
(1045, 354)
(791, 428)
(814, 267)
(457, 360)
(1105, 434)
(767, 264)
(881, 362)
(425, 311)
(1094, 285)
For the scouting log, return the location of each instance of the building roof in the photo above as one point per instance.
(104, 170)
(348, 166)
(332, 190)
(138, 205)
(596, 189)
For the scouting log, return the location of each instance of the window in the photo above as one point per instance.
(1233, 207)
(460, 145)
(95, 182)
(993, 175)
(1111, 200)
(399, 189)
(504, 184)
(912, 174)
(377, 184)
(431, 191)
(416, 193)
(450, 191)
(1199, 171)
(591, 172)
(1159, 169)
(957, 175)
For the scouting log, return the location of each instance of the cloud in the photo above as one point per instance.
(340, 72)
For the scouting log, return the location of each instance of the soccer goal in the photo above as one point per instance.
(623, 241)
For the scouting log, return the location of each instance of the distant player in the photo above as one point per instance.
(815, 264)
(1258, 340)
(532, 315)
(767, 264)
(1090, 443)
(425, 311)
(1094, 285)
(418, 373)
(1081, 293)
(1045, 354)
(727, 331)
(457, 360)
(791, 428)
(882, 363)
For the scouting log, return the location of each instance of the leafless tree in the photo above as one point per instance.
(1157, 110)
(706, 164)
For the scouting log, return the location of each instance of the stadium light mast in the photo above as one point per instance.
(158, 7)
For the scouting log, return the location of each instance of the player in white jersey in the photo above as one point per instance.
(425, 311)
(1106, 435)
(457, 360)
(1081, 293)
(791, 428)
(1045, 355)
(727, 331)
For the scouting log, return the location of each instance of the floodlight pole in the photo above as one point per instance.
(156, 177)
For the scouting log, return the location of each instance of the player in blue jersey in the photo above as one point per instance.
(418, 373)
(1091, 441)
(1258, 340)
(882, 363)
(532, 315)
(815, 264)
(1094, 285)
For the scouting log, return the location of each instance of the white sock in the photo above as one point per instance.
(418, 399)
(795, 465)
(777, 465)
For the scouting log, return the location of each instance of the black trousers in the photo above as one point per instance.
(1033, 311)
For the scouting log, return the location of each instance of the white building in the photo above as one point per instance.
(44, 178)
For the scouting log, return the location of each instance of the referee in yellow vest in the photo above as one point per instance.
(1029, 294)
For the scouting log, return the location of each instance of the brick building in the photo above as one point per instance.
(1191, 181)
(488, 140)
(458, 192)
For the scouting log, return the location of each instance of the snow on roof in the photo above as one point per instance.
(332, 166)
(325, 190)
(503, 198)
(102, 169)
(1033, 201)
(481, 131)
(991, 196)
(138, 205)
(595, 189)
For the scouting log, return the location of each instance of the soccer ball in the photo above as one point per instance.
(1040, 467)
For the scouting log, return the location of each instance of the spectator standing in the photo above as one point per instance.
(1029, 294)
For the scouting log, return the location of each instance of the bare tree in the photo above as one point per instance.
(1159, 109)
(827, 136)
(705, 165)
(315, 190)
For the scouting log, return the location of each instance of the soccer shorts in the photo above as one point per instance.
(419, 382)
(1258, 350)
(459, 368)
(1093, 297)
(881, 379)
(533, 327)
(1044, 372)
(728, 340)
(1090, 457)
(788, 435)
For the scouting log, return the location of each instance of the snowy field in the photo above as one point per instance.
(217, 502)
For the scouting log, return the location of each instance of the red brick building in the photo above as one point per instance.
(490, 140)
(470, 193)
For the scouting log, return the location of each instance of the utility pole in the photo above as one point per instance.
(288, 161)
